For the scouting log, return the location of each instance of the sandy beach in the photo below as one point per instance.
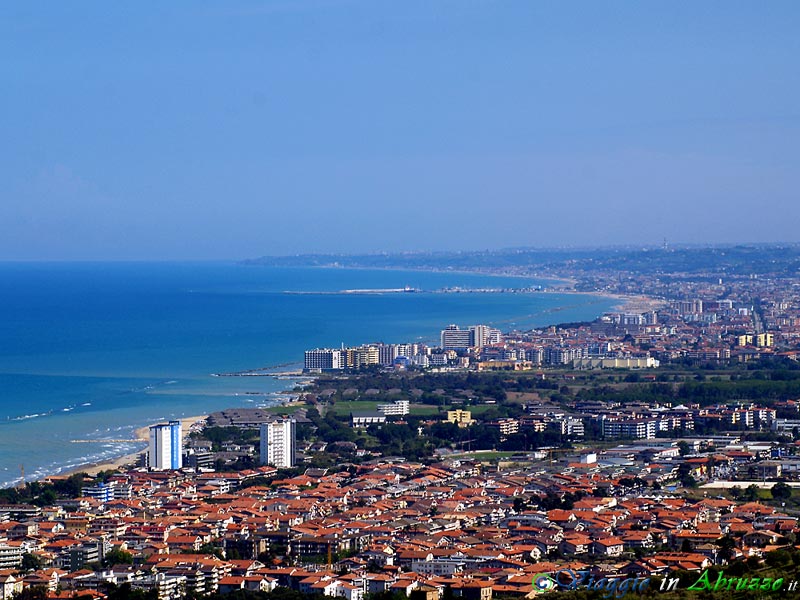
(131, 460)
(626, 302)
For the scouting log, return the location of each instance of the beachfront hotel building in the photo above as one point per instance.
(166, 446)
(330, 359)
(324, 359)
(278, 443)
(477, 336)
(455, 338)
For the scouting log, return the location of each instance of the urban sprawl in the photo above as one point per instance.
(652, 445)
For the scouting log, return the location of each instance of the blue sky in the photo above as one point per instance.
(188, 130)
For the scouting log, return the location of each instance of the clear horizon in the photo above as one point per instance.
(204, 131)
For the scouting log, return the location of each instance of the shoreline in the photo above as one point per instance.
(462, 271)
(626, 302)
(142, 435)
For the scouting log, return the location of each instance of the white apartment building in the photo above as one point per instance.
(166, 446)
(455, 338)
(623, 427)
(277, 446)
(394, 409)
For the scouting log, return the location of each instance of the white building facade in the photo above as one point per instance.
(278, 443)
(166, 446)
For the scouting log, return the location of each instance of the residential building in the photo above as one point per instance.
(462, 418)
(506, 426)
(455, 338)
(476, 336)
(166, 446)
(483, 335)
(362, 356)
(278, 443)
(629, 428)
(323, 359)
(366, 418)
(387, 353)
(438, 359)
(10, 586)
(10, 555)
(394, 409)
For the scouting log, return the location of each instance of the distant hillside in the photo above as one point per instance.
(777, 260)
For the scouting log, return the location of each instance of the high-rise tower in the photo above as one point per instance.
(277, 443)
(166, 446)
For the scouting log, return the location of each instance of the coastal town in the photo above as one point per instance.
(649, 446)
(417, 300)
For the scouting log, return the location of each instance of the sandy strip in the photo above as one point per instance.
(131, 460)
(626, 302)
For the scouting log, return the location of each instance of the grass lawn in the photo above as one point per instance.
(424, 410)
(345, 408)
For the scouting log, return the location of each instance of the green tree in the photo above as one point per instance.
(71, 487)
(117, 557)
(726, 545)
(751, 493)
(30, 562)
(126, 592)
(683, 448)
(37, 592)
(778, 558)
(781, 491)
(211, 549)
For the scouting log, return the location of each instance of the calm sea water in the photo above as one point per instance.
(90, 351)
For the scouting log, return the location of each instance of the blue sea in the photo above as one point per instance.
(91, 351)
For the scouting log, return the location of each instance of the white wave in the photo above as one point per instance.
(24, 417)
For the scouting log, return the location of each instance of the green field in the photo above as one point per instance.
(345, 408)
(479, 409)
